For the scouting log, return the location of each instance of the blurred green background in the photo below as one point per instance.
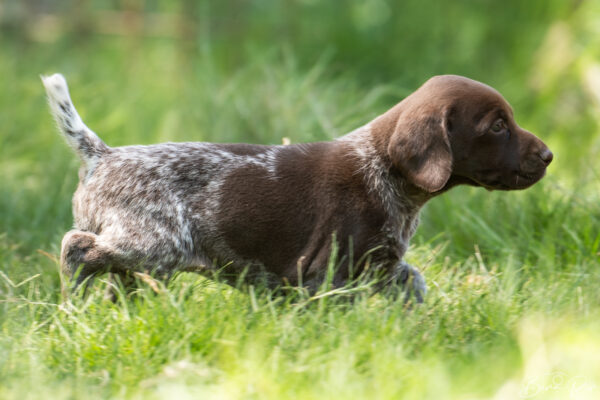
(513, 277)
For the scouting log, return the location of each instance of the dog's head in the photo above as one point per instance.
(457, 130)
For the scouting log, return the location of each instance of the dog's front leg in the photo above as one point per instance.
(407, 280)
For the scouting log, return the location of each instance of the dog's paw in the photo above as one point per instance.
(411, 281)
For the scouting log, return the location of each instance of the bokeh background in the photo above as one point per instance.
(513, 308)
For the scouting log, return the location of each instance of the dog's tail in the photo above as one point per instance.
(86, 143)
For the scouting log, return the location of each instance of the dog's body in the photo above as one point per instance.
(275, 211)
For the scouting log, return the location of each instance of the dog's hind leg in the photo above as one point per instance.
(82, 255)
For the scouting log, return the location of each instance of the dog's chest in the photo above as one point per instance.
(398, 232)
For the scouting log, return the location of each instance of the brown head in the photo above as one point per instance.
(456, 130)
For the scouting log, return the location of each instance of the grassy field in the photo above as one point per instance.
(513, 309)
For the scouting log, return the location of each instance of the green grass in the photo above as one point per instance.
(513, 305)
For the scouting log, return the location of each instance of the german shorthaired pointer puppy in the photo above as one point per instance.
(251, 211)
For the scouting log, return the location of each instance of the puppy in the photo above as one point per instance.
(274, 213)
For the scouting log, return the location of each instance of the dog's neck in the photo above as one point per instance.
(376, 136)
(396, 193)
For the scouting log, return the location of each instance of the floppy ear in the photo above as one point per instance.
(420, 149)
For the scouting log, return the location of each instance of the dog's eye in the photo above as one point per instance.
(498, 126)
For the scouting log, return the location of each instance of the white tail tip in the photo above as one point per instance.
(56, 86)
(56, 80)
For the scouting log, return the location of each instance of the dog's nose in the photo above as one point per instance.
(546, 156)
